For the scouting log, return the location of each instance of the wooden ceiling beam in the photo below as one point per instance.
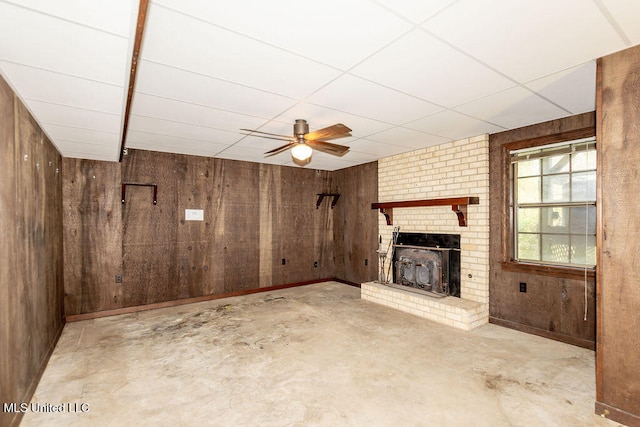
(142, 17)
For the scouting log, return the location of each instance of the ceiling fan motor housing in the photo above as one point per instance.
(300, 128)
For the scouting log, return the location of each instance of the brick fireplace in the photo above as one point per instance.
(455, 169)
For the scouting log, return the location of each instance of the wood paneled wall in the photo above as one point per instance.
(554, 303)
(31, 271)
(255, 216)
(618, 352)
(356, 224)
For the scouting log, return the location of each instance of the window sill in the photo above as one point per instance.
(549, 270)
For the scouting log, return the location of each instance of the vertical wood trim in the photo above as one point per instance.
(142, 16)
(599, 230)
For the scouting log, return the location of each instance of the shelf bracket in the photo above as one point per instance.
(388, 215)
(137, 184)
(321, 197)
(461, 212)
(458, 206)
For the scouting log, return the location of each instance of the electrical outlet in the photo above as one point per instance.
(284, 261)
(315, 264)
(366, 261)
(118, 278)
(523, 287)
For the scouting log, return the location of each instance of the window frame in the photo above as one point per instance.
(509, 264)
(561, 149)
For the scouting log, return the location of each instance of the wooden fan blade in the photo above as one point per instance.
(267, 133)
(270, 137)
(279, 149)
(329, 148)
(332, 132)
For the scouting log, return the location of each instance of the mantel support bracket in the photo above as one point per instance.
(458, 206)
(321, 197)
(461, 212)
(137, 184)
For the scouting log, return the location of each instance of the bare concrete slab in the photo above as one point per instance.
(312, 355)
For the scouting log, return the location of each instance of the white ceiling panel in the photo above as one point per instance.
(49, 113)
(136, 139)
(191, 44)
(403, 74)
(169, 82)
(453, 125)
(62, 46)
(102, 15)
(335, 32)
(85, 136)
(525, 108)
(183, 112)
(368, 99)
(182, 130)
(625, 16)
(444, 76)
(379, 149)
(407, 138)
(37, 84)
(88, 151)
(573, 89)
(417, 11)
(526, 39)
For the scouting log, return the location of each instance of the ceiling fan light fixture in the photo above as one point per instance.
(301, 151)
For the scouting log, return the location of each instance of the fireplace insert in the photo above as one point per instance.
(428, 262)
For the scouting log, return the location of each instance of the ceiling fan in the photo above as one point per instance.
(302, 141)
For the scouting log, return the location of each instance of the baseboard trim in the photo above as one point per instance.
(346, 282)
(579, 342)
(618, 415)
(33, 385)
(173, 303)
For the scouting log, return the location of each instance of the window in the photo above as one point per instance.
(553, 204)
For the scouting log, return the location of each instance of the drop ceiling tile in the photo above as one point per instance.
(527, 39)
(512, 108)
(89, 151)
(379, 149)
(108, 16)
(41, 85)
(182, 112)
(85, 136)
(172, 144)
(430, 69)
(417, 10)
(364, 98)
(153, 125)
(625, 13)
(61, 46)
(404, 137)
(453, 125)
(573, 89)
(49, 113)
(161, 80)
(319, 117)
(175, 39)
(257, 143)
(333, 32)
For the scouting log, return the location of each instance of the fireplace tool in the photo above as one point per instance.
(396, 231)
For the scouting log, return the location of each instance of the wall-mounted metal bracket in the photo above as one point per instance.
(137, 184)
(321, 197)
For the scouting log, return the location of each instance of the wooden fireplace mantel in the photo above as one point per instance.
(458, 205)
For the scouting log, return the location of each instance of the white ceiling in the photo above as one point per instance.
(403, 74)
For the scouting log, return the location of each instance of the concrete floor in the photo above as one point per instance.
(312, 355)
